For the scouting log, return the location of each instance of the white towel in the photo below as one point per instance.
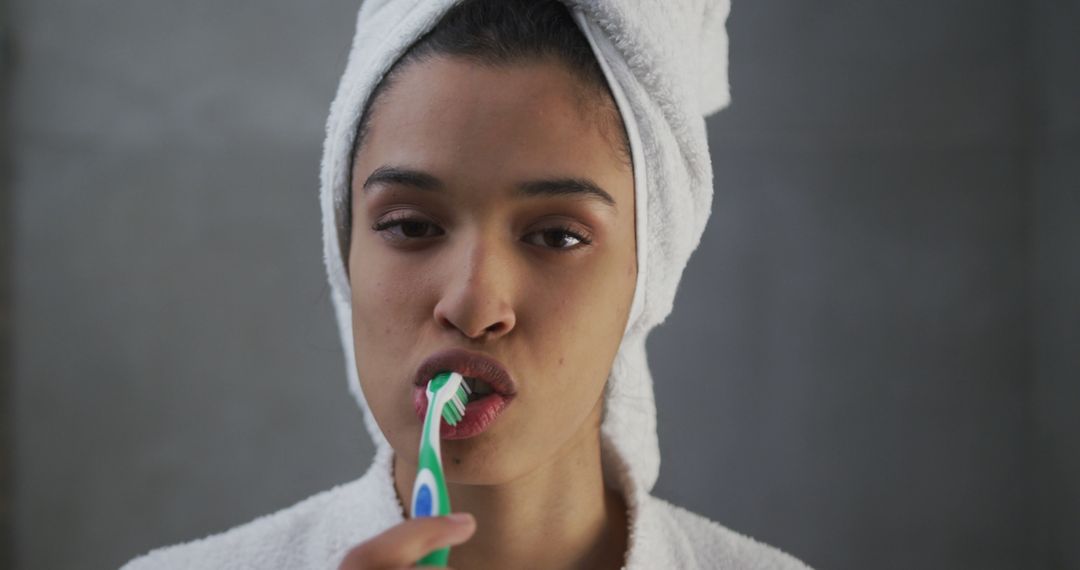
(666, 64)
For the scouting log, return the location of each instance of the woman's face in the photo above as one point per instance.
(541, 282)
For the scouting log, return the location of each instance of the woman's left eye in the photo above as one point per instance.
(556, 238)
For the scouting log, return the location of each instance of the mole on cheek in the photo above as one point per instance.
(457, 460)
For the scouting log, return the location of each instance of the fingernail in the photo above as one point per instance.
(460, 518)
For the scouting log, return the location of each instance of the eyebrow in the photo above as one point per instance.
(565, 186)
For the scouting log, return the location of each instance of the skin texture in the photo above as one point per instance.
(480, 266)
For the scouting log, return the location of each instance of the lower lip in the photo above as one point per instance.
(479, 414)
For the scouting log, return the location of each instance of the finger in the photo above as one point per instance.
(405, 543)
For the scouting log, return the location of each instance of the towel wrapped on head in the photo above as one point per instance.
(666, 65)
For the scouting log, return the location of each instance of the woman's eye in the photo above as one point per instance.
(408, 228)
(561, 238)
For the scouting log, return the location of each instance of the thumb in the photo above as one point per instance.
(407, 542)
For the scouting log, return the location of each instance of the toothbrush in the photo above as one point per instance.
(447, 394)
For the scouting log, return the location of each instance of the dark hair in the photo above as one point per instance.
(501, 33)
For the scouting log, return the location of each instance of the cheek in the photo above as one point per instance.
(583, 326)
(383, 292)
(385, 319)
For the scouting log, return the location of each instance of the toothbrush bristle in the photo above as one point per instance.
(454, 410)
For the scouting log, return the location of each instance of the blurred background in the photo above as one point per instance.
(881, 328)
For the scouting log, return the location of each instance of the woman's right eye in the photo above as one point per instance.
(408, 228)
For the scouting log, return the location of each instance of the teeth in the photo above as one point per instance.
(479, 387)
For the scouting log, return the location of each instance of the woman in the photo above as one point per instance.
(511, 190)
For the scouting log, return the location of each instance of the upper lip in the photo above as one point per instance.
(468, 364)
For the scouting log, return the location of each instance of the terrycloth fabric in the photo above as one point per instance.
(317, 532)
(666, 63)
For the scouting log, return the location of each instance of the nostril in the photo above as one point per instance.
(467, 320)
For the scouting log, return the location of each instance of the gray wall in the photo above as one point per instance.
(177, 366)
(883, 307)
(1055, 293)
(6, 233)
(865, 278)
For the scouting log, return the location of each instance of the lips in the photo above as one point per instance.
(470, 365)
(481, 411)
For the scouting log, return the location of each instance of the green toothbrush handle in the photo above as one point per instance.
(430, 497)
(432, 472)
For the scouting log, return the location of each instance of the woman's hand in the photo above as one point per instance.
(400, 546)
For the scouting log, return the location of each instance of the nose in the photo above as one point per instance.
(477, 297)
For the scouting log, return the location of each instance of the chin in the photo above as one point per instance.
(479, 461)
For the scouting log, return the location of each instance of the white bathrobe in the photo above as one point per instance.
(666, 64)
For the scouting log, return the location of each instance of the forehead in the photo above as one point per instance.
(473, 123)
